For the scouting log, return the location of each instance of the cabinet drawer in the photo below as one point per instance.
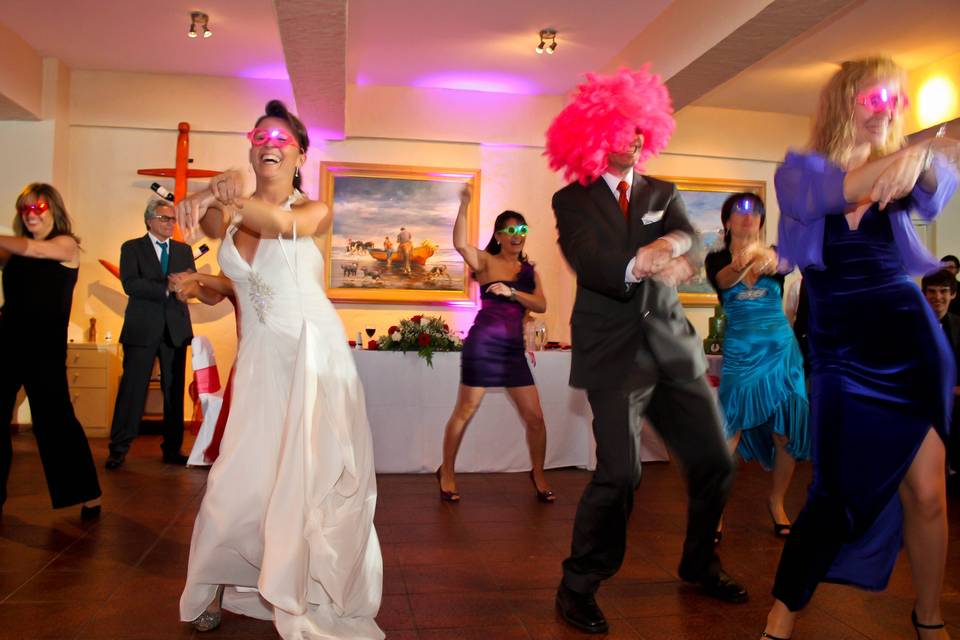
(87, 378)
(86, 358)
(90, 406)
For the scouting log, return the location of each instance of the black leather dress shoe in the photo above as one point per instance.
(580, 611)
(175, 458)
(114, 461)
(722, 587)
(89, 513)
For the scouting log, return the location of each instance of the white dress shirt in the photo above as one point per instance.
(156, 249)
(680, 241)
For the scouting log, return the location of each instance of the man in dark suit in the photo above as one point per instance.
(629, 241)
(940, 289)
(156, 325)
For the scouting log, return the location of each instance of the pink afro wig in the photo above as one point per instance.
(605, 115)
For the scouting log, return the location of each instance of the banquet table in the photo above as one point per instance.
(408, 404)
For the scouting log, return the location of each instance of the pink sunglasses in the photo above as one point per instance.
(277, 137)
(880, 99)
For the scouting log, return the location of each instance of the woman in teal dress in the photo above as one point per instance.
(762, 389)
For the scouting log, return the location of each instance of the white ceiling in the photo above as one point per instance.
(487, 45)
(789, 80)
(151, 35)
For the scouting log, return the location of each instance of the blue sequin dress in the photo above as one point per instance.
(762, 389)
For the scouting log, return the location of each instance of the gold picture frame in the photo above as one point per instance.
(703, 198)
(368, 257)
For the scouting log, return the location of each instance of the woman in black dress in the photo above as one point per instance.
(39, 267)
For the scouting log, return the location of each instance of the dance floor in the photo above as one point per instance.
(485, 569)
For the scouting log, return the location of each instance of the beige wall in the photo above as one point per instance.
(114, 130)
(21, 77)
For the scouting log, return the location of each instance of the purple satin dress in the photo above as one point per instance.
(493, 352)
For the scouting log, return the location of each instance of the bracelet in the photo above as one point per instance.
(513, 294)
(927, 157)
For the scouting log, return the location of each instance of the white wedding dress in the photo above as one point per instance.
(287, 519)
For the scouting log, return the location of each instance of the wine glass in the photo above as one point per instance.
(371, 331)
(540, 336)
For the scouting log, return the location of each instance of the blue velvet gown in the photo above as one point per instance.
(493, 352)
(882, 376)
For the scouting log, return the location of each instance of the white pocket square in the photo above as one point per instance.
(652, 216)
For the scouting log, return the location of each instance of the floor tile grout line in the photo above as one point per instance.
(83, 627)
(86, 532)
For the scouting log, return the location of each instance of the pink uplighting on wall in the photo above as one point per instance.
(474, 81)
(275, 71)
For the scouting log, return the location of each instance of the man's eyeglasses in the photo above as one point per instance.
(165, 219)
(880, 99)
(37, 209)
(277, 137)
(515, 230)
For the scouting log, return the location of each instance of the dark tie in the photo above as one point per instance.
(624, 203)
(164, 258)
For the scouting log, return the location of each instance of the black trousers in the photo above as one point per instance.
(687, 418)
(132, 395)
(64, 451)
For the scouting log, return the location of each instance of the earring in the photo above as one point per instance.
(296, 174)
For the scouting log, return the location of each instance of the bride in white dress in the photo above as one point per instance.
(285, 530)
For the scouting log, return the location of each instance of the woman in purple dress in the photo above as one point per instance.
(882, 375)
(493, 353)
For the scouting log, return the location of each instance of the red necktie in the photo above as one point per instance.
(624, 203)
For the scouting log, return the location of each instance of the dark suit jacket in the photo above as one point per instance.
(951, 327)
(150, 310)
(622, 332)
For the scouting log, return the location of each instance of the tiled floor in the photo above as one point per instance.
(484, 569)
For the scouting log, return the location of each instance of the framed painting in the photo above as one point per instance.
(703, 198)
(391, 239)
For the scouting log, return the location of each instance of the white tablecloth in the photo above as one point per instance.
(408, 404)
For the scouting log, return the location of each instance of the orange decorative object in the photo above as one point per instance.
(180, 173)
(112, 268)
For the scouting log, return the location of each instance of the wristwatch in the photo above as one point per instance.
(513, 294)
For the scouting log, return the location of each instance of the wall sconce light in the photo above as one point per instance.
(198, 25)
(548, 41)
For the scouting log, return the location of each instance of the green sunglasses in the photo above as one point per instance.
(515, 230)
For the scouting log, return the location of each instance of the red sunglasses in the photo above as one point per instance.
(880, 98)
(278, 137)
(36, 209)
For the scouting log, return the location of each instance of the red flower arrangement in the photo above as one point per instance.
(422, 334)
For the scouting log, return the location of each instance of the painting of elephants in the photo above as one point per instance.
(391, 237)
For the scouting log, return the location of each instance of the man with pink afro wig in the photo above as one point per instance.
(628, 239)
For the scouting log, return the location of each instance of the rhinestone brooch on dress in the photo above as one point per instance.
(261, 295)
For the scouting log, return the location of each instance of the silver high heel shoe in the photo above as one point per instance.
(210, 620)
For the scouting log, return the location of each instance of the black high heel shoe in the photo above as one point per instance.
(446, 496)
(89, 513)
(927, 627)
(780, 530)
(547, 496)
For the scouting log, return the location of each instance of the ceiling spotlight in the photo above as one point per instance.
(548, 41)
(198, 25)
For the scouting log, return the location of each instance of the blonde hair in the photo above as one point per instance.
(61, 219)
(833, 130)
